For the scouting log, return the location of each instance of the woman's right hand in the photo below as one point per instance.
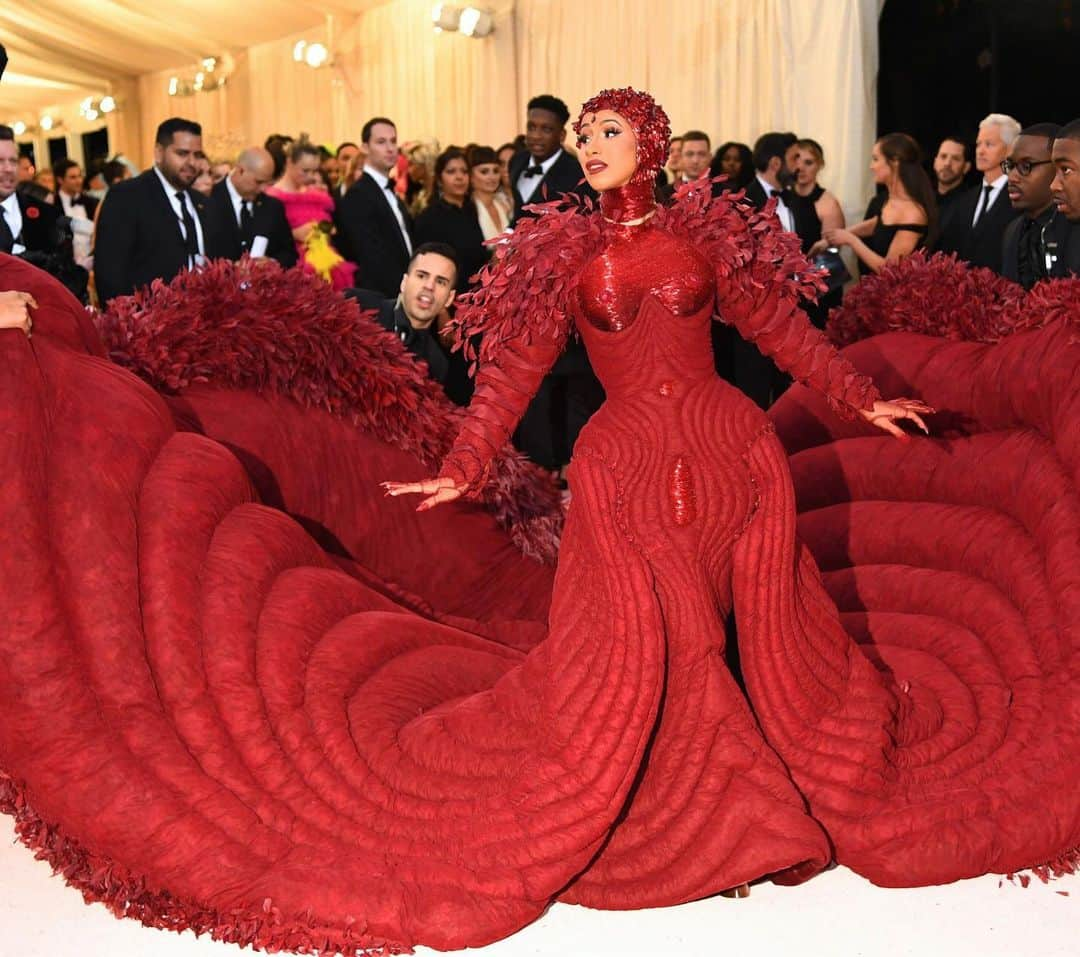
(437, 490)
(15, 310)
(819, 247)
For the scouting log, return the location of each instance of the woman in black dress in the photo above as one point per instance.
(814, 209)
(908, 218)
(450, 216)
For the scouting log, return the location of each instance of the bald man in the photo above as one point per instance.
(244, 220)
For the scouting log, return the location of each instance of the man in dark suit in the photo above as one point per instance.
(976, 229)
(427, 291)
(544, 171)
(27, 225)
(78, 206)
(739, 361)
(242, 219)
(152, 226)
(1065, 190)
(570, 392)
(374, 227)
(1036, 242)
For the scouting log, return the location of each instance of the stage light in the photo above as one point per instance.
(316, 55)
(445, 17)
(476, 23)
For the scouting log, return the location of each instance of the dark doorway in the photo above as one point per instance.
(945, 64)
(57, 149)
(27, 149)
(95, 148)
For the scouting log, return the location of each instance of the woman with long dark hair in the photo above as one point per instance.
(736, 162)
(908, 218)
(450, 216)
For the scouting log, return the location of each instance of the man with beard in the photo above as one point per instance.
(151, 227)
(1034, 242)
(951, 166)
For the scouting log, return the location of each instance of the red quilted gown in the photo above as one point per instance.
(208, 720)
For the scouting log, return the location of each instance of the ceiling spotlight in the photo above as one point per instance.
(46, 122)
(445, 17)
(107, 104)
(476, 23)
(18, 127)
(298, 50)
(316, 55)
(91, 115)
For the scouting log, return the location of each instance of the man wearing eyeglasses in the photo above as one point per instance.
(1035, 244)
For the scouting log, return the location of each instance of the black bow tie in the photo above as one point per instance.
(779, 196)
(534, 171)
(76, 201)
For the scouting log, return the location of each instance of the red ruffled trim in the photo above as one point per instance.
(251, 325)
(126, 895)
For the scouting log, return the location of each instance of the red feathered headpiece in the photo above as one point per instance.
(652, 128)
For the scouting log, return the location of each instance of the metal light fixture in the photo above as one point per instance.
(211, 73)
(315, 55)
(469, 21)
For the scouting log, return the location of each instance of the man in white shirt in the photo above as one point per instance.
(77, 206)
(976, 230)
(374, 228)
(152, 226)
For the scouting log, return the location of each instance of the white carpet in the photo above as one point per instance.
(835, 915)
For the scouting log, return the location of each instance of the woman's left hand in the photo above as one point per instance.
(884, 415)
(838, 237)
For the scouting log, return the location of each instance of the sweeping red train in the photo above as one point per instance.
(409, 732)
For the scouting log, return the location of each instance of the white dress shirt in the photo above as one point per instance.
(259, 244)
(782, 211)
(13, 218)
(174, 202)
(82, 230)
(392, 201)
(527, 185)
(997, 187)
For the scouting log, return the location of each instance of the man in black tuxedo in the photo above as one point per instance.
(27, 225)
(737, 360)
(1037, 244)
(373, 226)
(242, 219)
(78, 206)
(976, 226)
(34, 230)
(1065, 190)
(427, 291)
(152, 226)
(570, 392)
(544, 171)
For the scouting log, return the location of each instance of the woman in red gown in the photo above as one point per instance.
(208, 721)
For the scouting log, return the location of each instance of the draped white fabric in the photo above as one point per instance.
(734, 68)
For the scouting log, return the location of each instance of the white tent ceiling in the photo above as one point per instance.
(60, 50)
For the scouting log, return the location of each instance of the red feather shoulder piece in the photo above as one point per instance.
(748, 248)
(524, 291)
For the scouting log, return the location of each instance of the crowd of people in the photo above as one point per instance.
(407, 227)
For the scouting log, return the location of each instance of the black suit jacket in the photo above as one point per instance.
(42, 229)
(89, 202)
(1062, 238)
(565, 176)
(369, 235)
(981, 245)
(268, 219)
(138, 237)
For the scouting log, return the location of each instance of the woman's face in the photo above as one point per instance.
(454, 180)
(204, 181)
(879, 166)
(607, 148)
(731, 162)
(486, 177)
(806, 168)
(304, 172)
(505, 156)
